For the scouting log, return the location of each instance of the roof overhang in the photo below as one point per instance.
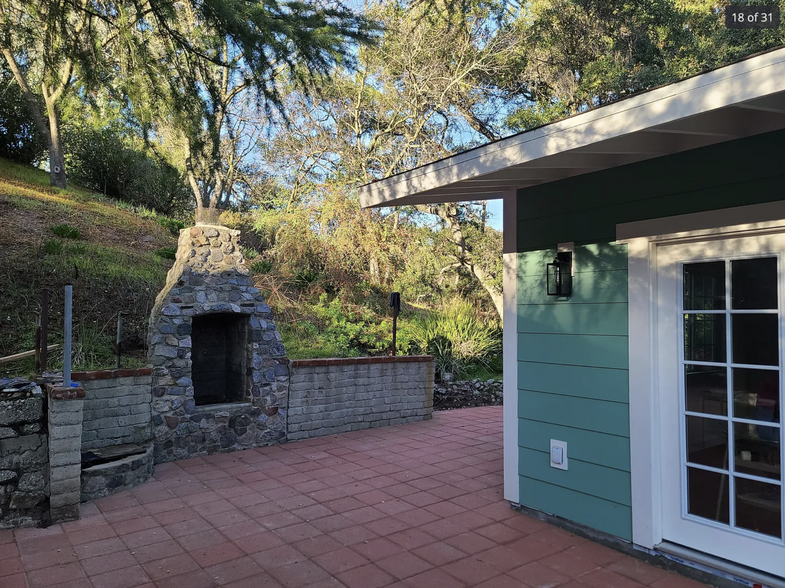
(739, 100)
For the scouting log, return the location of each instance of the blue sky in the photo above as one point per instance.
(495, 214)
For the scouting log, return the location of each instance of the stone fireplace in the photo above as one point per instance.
(220, 372)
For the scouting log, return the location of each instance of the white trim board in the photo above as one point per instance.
(642, 239)
(510, 350)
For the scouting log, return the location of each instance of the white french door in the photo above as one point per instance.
(720, 384)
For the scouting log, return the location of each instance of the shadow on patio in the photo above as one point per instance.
(418, 505)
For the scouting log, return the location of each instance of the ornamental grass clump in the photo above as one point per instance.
(67, 231)
(457, 337)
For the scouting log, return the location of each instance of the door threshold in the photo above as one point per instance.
(718, 566)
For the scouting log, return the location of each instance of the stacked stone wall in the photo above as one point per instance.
(117, 407)
(329, 396)
(24, 461)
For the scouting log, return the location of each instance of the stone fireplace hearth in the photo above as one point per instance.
(220, 372)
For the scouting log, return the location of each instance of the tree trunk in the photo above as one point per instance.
(496, 296)
(56, 158)
(450, 214)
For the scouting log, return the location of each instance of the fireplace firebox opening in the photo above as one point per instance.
(219, 356)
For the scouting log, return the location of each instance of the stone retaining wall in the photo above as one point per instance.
(24, 461)
(329, 396)
(108, 478)
(117, 407)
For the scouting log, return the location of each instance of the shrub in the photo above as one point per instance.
(167, 252)
(249, 253)
(110, 161)
(457, 338)
(20, 140)
(66, 231)
(53, 247)
(261, 266)
(172, 224)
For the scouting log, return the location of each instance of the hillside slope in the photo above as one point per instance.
(118, 264)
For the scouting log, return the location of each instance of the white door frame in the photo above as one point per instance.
(510, 348)
(642, 239)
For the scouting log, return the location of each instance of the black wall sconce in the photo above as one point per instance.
(559, 275)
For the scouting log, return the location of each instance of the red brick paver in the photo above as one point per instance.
(412, 506)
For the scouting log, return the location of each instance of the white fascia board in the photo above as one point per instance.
(740, 82)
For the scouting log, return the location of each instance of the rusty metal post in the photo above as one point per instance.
(119, 337)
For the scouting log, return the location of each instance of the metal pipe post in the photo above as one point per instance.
(69, 292)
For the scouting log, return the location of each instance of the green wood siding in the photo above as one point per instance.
(588, 207)
(573, 386)
(584, 477)
(573, 353)
(589, 350)
(597, 513)
(575, 380)
(582, 413)
(602, 449)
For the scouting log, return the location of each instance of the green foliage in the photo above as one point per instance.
(173, 225)
(20, 140)
(261, 266)
(581, 54)
(350, 330)
(66, 231)
(166, 252)
(249, 253)
(457, 338)
(335, 328)
(107, 160)
(53, 247)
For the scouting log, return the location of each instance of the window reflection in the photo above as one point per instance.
(756, 394)
(704, 337)
(704, 286)
(754, 283)
(706, 389)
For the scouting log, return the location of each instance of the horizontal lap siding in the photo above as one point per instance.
(573, 353)
(572, 380)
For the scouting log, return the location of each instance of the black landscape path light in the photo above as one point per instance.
(395, 303)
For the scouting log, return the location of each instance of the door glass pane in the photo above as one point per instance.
(704, 337)
(757, 450)
(759, 507)
(756, 394)
(707, 496)
(707, 442)
(754, 283)
(707, 389)
(704, 286)
(755, 339)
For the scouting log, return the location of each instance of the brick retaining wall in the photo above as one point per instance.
(117, 407)
(329, 396)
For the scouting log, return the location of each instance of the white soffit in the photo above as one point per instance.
(739, 100)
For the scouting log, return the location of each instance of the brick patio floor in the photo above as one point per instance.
(417, 506)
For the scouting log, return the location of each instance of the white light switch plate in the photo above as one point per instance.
(558, 454)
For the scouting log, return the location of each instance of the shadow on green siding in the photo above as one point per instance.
(603, 515)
